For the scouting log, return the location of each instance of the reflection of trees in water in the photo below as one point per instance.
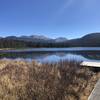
(92, 55)
(31, 55)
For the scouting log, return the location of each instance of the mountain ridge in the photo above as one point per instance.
(34, 38)
(89, 40)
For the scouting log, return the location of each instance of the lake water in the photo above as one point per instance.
(53, 54)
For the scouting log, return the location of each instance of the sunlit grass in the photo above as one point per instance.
(65, 80)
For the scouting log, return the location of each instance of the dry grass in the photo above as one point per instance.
(20, 80)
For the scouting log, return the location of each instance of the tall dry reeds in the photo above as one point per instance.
(64, 80)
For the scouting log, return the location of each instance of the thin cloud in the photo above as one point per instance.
(62, 9)
(65, 6)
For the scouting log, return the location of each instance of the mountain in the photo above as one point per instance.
(36, 38)
(10, 37)
(33, 38)
(41, 37)
(89, 40)
(60, 39)
(92, 36)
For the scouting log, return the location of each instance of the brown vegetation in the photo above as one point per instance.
(21, 80)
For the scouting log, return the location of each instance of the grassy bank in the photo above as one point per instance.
(20, 80)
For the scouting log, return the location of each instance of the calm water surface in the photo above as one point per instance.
(53, 54)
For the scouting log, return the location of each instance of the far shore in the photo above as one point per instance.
(67, 49)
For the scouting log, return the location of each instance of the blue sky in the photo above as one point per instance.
(53, 18)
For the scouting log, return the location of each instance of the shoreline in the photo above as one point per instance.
(70, 49)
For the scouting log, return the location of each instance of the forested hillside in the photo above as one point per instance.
(90, 40)
(4, 43)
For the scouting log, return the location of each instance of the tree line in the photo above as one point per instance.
(10, 43)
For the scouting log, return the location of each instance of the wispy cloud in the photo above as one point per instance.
(62, 9)
(65, 6)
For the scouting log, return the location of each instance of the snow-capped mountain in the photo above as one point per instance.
(37, 38)
(60, 39)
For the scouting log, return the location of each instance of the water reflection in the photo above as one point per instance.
(54, 56)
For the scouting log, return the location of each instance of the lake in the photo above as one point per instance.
(53, 54)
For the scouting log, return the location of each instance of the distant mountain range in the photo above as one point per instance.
(90, 40)
(36, 38)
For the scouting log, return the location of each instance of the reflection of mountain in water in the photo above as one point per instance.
(31, 55)
(54, 56)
